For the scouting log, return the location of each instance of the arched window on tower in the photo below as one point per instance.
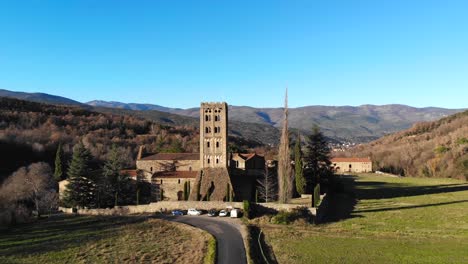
(208, 161)
(217, 144)
(208, 144)
(206, 130)
(217, 160)
(206, 117)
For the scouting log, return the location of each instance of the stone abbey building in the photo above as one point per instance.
(212, 174)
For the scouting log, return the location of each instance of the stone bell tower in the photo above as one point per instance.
(213, 135)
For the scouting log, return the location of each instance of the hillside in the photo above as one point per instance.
(31, 132)
(345, 123)
(428, 149)
(340, 123)
(40, 98)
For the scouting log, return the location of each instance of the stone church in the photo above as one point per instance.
(213, 174)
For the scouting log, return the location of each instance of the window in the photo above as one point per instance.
(217, 161)
(217, 144)
(178, 181)
(151, 169)
(208, 161)
(161, 181)
(237, 164)
(216, 118)
(208, 144)
(206, 117)
(216, 129)
(190, 168)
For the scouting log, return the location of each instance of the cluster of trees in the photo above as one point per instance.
(31, 132)
(30, 191)
(106, 187)
(428, 149)
(309, 170)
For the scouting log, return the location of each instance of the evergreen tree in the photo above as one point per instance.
(79, 165)
(317, 158)
(58, 172)
(80, 190)
(117, 184)
(285, 179)
(299, 169)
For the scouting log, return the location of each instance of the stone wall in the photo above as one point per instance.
(152, 166)
(357, 167)
(173, 188)
(183, 205)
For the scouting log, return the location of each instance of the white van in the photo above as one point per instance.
(235, 213)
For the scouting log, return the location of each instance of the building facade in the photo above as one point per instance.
(213, 135)
(210, 169)
(350, 165)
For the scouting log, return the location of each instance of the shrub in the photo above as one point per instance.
(286, 218)
(247, 209)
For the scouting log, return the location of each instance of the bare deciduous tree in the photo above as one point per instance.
(30, 184)
(267, 186)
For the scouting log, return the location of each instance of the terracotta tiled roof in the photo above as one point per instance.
(176, 174)
(247, 156)
(173, 156)
(131, 173)
(351, 160)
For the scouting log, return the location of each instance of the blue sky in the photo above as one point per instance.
(178, 53)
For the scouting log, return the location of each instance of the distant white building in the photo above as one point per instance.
(352, 165)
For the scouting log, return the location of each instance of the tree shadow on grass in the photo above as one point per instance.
(408, 207)
(60, 232)
(383, 190)
(341, 202)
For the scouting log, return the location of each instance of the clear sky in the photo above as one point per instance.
(178, 53)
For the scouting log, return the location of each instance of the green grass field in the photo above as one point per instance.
(382, 219)
(91, 239)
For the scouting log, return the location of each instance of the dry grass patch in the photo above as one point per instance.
(121, 240)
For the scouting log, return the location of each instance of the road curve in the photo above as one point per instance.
(230, 247)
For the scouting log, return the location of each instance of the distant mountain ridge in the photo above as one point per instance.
(345, 123)
(40, 98)
(358, 124)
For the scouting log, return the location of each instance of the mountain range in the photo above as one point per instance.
(342, 123)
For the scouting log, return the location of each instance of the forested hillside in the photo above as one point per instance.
(428, 149)
(31, 132)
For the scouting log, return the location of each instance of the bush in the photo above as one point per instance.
(286, 218)
(247, 209)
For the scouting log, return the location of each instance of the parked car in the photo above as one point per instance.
(223, 213)
(212, 212)
(193, 211)
(177, 212)
(235, 213)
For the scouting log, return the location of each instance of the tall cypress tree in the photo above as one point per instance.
(285, 177)
(299, 169)
(58, 172)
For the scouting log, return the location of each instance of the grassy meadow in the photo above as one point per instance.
(91, 239)
(382, 219)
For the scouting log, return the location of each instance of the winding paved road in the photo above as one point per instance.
(231, 248)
